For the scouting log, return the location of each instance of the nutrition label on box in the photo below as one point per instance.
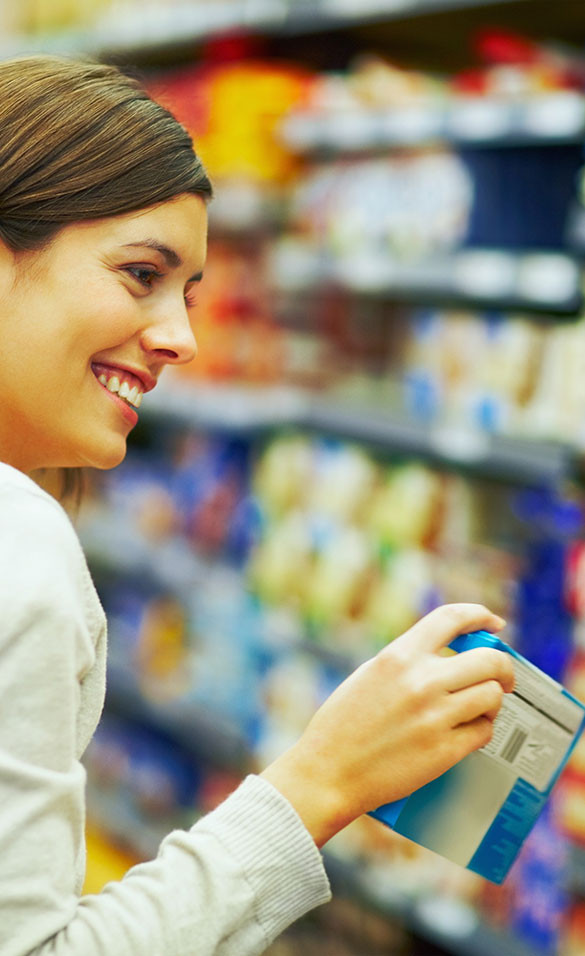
(534, 727)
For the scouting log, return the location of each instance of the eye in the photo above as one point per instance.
(190, 299)
(144, 274)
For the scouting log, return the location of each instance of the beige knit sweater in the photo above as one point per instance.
(227, 887)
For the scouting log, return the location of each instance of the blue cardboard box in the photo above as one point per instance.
(479, 812)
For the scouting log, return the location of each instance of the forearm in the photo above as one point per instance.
(227, 887)
(297, 775)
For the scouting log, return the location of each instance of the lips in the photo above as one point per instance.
(134, 376)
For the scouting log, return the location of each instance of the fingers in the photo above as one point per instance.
(445, 623)
(480, 700)
(472, 736)
(479, 664)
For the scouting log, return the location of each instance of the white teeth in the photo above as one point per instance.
(131, 395)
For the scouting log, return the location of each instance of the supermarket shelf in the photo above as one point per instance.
(512, 459)
(545, 119)
(546, 282)
(115, 544)
(165, 25)
(450, 924)
(113, 817)
(204, 733)
(115, 547)
(331, 14)
(482, 940)
(577, 870)
(228, 407)
(132, 31)
(248, 410)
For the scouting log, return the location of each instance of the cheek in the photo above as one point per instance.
(110, 316)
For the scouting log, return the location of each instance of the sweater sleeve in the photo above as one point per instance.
(226, 887)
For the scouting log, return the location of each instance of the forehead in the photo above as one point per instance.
(180, 224)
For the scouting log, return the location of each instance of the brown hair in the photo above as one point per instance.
(81, 140)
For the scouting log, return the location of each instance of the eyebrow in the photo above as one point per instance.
(172, 259)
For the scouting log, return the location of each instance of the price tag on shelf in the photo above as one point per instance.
(367, 273)
(301, 131)
(449, 918)
(347, 130)
(294, 264)
(460, 443)
(479, 118)
(548, 278)
(238, 205)
(258, 12)
(431, 274)
(485, 274)
(555, 115)
(363, 8)
(409, 126)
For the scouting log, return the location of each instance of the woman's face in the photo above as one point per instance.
(87, 326)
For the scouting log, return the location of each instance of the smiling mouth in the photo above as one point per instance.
(123, 384)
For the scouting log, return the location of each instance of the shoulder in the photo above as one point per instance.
(38, 543)
(29, 510)
(46, 590)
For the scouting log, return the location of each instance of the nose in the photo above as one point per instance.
(169, 336)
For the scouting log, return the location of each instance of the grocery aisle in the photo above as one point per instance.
(386, 413)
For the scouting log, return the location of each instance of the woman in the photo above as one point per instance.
(102, 245)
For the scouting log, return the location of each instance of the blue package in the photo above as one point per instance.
(479, 812)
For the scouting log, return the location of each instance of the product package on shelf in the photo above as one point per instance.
(479, 813)
(358, 549)
(142, 784)
(571, 809)
(499, 373)
(232, 109)
(481, 198)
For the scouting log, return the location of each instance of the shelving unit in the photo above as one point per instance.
(543, 120)
(207, 736)
(431, 918)
(547, 283)
(195, 22)
(247, 410)
(577, 877)
(131, 35)
(154, 32)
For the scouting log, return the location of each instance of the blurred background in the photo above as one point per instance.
(387, 412)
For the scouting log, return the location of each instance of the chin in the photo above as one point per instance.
(105, 457)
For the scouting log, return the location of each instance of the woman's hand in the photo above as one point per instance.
(400, 720)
